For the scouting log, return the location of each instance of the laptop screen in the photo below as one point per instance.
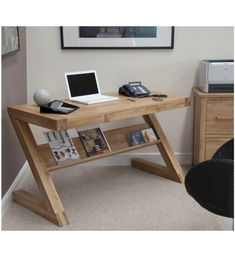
(82, 84)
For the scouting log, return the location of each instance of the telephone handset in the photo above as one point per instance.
(134, 89)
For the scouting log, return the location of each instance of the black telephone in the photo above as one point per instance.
(134, 89)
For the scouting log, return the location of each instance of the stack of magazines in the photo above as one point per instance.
(94, 141)
(141, 137)
(63, 149)
(61, 146)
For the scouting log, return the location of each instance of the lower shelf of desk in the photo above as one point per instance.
(116, 138)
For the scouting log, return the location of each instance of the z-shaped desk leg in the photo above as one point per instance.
(173, 169)
(50, 207)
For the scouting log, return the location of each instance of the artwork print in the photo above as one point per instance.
(117, 37)
(10, 39)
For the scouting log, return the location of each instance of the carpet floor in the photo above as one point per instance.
(117, 198)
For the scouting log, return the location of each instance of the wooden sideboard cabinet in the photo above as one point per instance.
(213, 123)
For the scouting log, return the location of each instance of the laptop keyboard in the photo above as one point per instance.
(95, 99)
(101, 98)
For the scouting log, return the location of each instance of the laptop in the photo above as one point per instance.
(83, 87)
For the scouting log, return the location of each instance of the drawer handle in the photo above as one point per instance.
(220, 118)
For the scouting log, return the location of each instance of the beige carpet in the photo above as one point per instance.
(118, 198)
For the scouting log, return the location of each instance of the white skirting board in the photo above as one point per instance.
(118, 160)
(7, 198)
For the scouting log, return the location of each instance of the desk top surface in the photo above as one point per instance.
(96, 113)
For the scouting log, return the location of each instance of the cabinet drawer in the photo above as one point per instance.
(212, 145)
(219, 117)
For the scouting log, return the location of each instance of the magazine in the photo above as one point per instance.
(94, 141)
(149, 135)
(61, 146)
(141, 137)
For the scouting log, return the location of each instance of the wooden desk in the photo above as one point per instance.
(42, 162)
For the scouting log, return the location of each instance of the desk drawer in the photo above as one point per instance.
(219, 117)
(212, 145)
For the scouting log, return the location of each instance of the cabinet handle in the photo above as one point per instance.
(220, 118)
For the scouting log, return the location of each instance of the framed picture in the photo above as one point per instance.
(117, 37)
(10, 39)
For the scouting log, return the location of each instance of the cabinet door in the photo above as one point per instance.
(219, 117)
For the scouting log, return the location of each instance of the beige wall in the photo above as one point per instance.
(14, 91)
(173, 71)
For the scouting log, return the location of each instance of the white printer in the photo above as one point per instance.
(216, 76)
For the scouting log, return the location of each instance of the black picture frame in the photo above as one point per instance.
(164, 37)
